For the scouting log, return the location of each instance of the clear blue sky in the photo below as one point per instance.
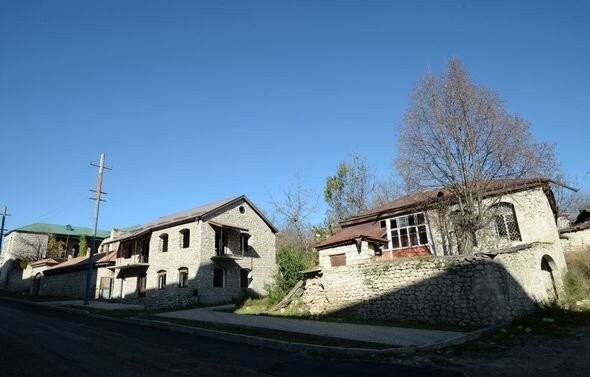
(194, 101)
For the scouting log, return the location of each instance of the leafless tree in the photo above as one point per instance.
(294, 210)
(30, 247)
(459, 135)
(386, 191)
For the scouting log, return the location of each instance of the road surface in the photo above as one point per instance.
(38, 341)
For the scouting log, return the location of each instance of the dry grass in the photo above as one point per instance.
(577, 279)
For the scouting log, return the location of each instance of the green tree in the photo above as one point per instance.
(349, 191)
(83, 246)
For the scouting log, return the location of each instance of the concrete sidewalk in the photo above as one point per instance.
(396, 336)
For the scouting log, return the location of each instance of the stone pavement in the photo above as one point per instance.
(395, 336)
(99, 305)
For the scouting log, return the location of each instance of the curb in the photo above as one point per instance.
(272, 343)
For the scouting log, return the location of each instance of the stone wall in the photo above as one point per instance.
(67, 284)
(577, 240)
(260, 258)
(478, 290)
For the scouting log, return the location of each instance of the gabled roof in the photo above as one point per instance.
(368, 231)
(425, 199)
(44, 262)
(99, 259)
(366, 224)
(188, 216)
(62, 230)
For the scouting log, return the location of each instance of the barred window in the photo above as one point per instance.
(506, 224)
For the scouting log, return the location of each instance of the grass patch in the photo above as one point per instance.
(262, 307)
(272, 334)
(577, 279)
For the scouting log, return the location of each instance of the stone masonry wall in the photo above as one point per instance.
(260, 258)
(576, 241)
(474, 290)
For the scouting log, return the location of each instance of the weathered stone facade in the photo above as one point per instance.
(573, 239)
(477, 290)
(199, 258)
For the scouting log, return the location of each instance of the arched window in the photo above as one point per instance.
(186, 236)
(161, 279)
(183, 277)
(505, 221)
(164, 242)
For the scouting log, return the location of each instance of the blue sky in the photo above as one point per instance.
(194, 101)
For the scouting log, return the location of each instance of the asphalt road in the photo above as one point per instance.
(38, 341)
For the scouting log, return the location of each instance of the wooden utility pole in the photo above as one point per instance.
(97, 197)
(4, 214)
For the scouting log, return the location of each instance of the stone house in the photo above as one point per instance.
(210, 254)
(68, 279)
(576, 237)
(365, 269)
(33, 242)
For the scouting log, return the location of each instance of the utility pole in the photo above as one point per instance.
(4, 214)
(97, 197)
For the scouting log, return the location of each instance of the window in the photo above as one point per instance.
(338, 260)
(186, 235)
(127, 250)
(407, 231)
(164, 242)
(218, 277)
(245, 277)
(161, 279)
(506, 224)
(244, 242)
(242, 209)
(183, 277)
(220, 241)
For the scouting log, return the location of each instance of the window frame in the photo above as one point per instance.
(502, 211)
(411, 230)
(161, 280)
(183, 277)
(185, 240)
(164, 238)
(244, 246)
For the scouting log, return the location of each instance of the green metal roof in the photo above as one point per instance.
(66, 230)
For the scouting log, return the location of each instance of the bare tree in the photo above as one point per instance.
(30, 247)
(459, 135)
(386, 191)
(571, 202)
(294, 211)
(350, 190)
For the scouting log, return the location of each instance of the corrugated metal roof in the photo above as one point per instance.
(65, 230)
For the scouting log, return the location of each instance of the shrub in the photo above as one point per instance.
(290, 261)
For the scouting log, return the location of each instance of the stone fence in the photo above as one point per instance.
(476, 290)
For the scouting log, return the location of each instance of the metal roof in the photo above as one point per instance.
(187, 216)
(57, 229)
